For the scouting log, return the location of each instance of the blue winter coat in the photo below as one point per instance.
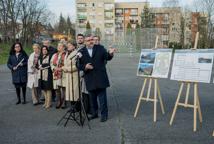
(20, 74)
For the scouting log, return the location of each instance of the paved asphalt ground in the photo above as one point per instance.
(28, 124)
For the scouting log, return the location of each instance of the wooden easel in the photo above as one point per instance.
(157, 94)
(196, 105)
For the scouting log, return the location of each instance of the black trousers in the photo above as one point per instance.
(19, 87)
(101, 95)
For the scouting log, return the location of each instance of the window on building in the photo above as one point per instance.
(93, 21)
(127, 11)
(165, 30)
(91, 5)
(134, 11)
(109, 31)
(92, 14)
(119, 18)
(165, 37)
(133, 18)
(109, 15)
(109, 6)
(166, 17)
(82, 21)
(165, 43)
(119, 26)
(119, 12)
(81, 5)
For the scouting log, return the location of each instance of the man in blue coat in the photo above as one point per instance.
(93, 63)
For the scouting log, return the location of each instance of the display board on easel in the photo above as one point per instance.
(153, 64)
(191, 67)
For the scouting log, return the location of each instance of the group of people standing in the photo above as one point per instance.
(54, 73)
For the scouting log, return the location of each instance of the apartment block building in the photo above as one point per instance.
(128, 12)
(99, 13)
(168, 22)
(194, 22)
(113, 18)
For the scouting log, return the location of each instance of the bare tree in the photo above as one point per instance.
(4, 12)
(22, 16)
(10, 10)
(207, 6)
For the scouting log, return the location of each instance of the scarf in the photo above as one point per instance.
(35, 62)
(45, 60)
(58, 61)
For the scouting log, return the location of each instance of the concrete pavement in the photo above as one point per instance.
(26, 124)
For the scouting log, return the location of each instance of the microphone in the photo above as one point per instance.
(78, 55)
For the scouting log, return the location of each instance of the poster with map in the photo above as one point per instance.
(154, 63)
(193, 65)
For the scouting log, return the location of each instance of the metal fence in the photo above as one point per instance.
(134, 41)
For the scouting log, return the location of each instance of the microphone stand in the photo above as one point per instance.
(82, 107)
(72, 111)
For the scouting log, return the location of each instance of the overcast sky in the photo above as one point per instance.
(67, 7)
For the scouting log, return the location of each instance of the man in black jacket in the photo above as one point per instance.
(93, 62)
(85, 95)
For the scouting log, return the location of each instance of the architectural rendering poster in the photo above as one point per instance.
(154, 63)
(193, 65)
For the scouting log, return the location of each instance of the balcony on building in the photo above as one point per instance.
(109, 25)
(81, 23)
(119, 26)
(131, 11)
(92, 15)
(108, 7)
(119, 12)
(81, 7)
(109, 15)
(82, 15)
(91, 6)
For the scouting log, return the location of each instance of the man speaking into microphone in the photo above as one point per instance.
(93, 62)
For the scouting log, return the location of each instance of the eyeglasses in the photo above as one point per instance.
(17, 46)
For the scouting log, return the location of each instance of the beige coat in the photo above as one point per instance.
(72, 88)
(58, 82)
(33, 73)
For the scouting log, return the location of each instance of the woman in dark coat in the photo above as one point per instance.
(46, 76)
(17, 63)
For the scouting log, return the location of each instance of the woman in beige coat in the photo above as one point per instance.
(33, 74)
(71, 74)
